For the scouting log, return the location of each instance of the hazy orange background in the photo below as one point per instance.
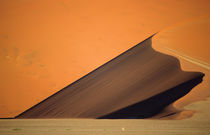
(47, 44)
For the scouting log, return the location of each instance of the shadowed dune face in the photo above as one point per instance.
(138, 83)
(155, 104)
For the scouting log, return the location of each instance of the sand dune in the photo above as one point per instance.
(139, 83)
(180, 41)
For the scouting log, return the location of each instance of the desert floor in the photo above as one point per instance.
(199, 124)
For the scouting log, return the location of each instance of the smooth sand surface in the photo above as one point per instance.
(196, 125)
(46, 45)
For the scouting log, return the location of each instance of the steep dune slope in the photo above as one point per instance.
(137, 84)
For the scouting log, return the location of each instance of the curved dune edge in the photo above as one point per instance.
(189, 42)
(139, 83)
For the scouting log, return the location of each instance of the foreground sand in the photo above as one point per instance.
(199, 124)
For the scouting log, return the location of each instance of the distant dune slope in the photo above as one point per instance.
(137, 84)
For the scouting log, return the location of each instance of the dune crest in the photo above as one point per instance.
(189, 42)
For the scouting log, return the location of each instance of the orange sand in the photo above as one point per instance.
(46, 45)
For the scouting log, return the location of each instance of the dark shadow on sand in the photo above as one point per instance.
(154, 105)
